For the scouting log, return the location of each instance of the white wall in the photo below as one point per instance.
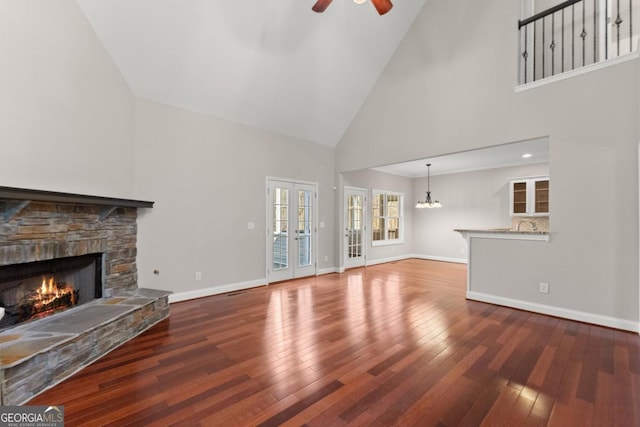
(370, 180)
(470, 200)
(450, 88)
(208, 179)
(67, 113)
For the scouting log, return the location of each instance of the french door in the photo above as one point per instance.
(291, 230)
(355, 227)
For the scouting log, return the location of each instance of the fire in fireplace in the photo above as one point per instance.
(38, 289)
(51, 295)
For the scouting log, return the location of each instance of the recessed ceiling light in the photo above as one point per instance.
(526, 155)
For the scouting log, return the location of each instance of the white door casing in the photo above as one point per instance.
(291, 229)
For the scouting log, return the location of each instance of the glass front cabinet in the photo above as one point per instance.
(529, 197)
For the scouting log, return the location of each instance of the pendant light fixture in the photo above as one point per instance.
(428, 203)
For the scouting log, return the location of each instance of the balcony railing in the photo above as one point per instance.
(576, 33)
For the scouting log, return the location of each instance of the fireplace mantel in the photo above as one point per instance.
(13, 200)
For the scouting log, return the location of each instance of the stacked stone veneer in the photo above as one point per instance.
(43, 231)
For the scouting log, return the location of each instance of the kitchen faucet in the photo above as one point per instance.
(534, 226)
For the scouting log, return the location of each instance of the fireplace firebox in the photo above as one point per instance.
(37, 289)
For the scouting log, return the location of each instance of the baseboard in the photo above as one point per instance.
(409, 256)
(565, 313)
(440, 258)
(392, 259)
(215, 290)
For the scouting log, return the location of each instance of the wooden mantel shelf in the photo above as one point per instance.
(13, 200)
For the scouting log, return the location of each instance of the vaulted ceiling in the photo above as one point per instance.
(273, 65)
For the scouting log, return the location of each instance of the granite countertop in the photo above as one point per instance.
(500, 231)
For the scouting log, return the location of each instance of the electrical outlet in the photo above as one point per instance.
(326, 258)
(198, 275)
(544, 288)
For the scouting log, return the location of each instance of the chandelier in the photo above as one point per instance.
(428, 203)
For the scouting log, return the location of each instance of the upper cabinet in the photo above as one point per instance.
(529, 197)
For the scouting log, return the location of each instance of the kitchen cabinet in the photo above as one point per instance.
(529, 197)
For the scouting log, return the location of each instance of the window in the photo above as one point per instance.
(387, 218)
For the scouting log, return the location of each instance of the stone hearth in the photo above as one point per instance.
(37, 355)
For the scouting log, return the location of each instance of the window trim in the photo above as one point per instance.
(387, 242)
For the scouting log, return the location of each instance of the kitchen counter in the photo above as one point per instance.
(504, 233)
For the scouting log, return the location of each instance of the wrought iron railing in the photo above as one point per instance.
(576, 33)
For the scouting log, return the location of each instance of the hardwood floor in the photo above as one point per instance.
(392, 344)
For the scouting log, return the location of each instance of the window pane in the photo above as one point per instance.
(280, 225)
(355, 213)
(378, 205)
(386, 216)
(393, 216)
(393, 205)
(304, 251)
(378, 229)
(393, 228)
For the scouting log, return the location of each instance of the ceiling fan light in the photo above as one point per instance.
(382, 6)
(359, 1)
(321, 5)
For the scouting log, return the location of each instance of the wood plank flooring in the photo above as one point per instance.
(392, 344)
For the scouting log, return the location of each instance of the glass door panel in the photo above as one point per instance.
(280, 225)
(354, 226)
(354, 238)
(304, 232)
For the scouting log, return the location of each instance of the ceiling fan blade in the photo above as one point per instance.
(321, 5)
(382, 6)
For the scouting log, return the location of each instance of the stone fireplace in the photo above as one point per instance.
(68, 286)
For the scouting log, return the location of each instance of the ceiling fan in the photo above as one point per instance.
(382, 6)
